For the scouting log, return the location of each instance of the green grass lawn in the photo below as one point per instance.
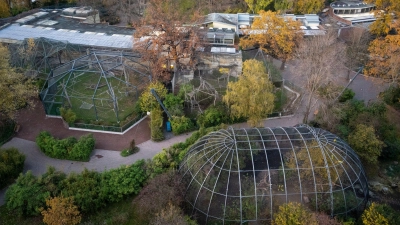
(86, 100)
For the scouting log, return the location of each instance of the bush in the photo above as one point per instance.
(126, 180)
(347, 94)
(181, 124)
(214, 116)
(391, 96)
(171, 157)
(156, 124)
(68, 115)
(294, 213)
(27, 195)
(82, 149)
(89, 189)
(61, 209)
(68, 148)
(11, 165)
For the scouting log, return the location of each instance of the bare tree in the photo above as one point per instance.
(357, 40)
(319, 58)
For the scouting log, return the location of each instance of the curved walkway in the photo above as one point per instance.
(100, 160)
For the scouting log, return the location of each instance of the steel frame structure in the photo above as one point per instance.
(105, 65)
(236, 176)
(41, 55)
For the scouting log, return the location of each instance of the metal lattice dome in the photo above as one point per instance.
(240, 175)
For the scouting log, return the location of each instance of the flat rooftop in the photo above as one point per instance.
(54, 25)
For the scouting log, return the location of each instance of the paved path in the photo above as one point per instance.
(100, 160)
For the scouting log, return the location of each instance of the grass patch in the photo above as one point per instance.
(86, 100)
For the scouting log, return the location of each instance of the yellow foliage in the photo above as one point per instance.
(309, 6)
(371, 216)
(147, 99)
(61, 211)
(274, 35)
(4, 9)
(251, 96)
(384, 58)
(294, 213)
(364, 141)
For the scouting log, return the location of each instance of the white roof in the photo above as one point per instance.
(17, 32)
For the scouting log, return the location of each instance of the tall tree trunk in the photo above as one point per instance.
(308, 108)
(283, 64)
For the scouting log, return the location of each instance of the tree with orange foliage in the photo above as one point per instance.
(164, 40)
(384, 58)
(384, 14)
(61, 211)
(274, 35)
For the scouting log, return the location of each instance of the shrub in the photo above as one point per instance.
(214, 116)
(170, 158)
(68, 115)
(347, 94)
(85, 189)
(132, 177)
(68, 148)
(11, 165)
(172, 100)
(294, 213)
(26, 196)
(131, 150)
(156, 124)
(181, 124)
(82, 149)
(61, 209)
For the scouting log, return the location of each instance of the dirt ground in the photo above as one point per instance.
(32, 121)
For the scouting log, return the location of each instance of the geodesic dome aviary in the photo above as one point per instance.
(235, 176)
(99, 86)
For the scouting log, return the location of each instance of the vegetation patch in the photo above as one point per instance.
(11, 165)
(6, 130)
(69, 148)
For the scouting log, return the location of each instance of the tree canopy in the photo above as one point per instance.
(309, 6)
(384, 58)
(164, 40)
(364, 141)
(16, 90)
(274, 35)
(257, 5)
(251, 96)
(61, 211)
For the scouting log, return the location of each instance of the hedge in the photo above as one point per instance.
(69, 148)
(89, 189)
(170, 158)
(11, 165)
